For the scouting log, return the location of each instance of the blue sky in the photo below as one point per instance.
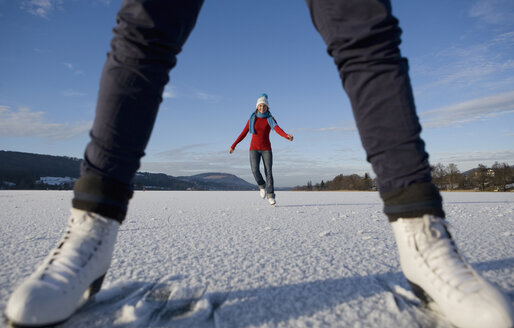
(461, 56)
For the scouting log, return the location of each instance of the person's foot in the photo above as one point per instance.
(71, 273)
(262, 192)
(271, 200)
(438, 274)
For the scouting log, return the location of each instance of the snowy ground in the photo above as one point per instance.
(228, 259)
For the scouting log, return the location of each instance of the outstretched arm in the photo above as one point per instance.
(282, 133)
(240, 138)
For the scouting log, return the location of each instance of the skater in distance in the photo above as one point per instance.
(362, 37)
(260, 124)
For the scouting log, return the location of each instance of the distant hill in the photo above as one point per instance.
(219, 181)
(22, 170)
(35, 171)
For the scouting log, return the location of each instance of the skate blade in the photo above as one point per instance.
(10, 324)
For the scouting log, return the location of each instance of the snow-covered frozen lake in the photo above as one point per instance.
(228, 259)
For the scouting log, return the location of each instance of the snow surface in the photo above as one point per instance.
(229, 259)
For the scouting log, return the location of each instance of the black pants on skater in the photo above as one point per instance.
(361, 36)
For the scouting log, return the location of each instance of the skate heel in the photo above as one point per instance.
(420, 293)
(93, 288)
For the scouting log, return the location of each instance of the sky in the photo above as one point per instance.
(461, 56)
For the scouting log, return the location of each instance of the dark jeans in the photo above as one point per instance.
(361, 35)
(255, 163)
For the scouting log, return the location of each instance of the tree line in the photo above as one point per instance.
(498, 177)
(341, 182)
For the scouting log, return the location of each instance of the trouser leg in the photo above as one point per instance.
(363, 38)
(267, 159)
(147, 39)
(255, 162)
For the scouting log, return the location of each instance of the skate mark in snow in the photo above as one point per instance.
(164, 303)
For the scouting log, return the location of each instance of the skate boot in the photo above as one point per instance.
(443, 279)
(271, 200)
(262, 192)
(69, 276)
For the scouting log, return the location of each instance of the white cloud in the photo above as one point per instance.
(170, 92)
(497, 12)
(197, 158)
(41, 51)
(469, 111)
(173, 91)
(327, 129)
(45, 8)
(40, 8)
(287, 170)
(178, 153)
(468, 160)
(290, 167)
(73, 68)
(210, 98)
(465, 66)
(505, 37)
(481, 63)
(26, 123)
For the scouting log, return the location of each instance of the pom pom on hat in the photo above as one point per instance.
(263, 99)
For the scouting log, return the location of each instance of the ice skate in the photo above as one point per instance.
(69, 276)
(262, 192)
(439, 274)
(272, 201)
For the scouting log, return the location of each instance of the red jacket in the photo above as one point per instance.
(260, 139)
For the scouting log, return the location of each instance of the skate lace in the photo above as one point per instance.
(77, 247)
(442, 257)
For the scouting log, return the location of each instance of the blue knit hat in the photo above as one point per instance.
(263, 99)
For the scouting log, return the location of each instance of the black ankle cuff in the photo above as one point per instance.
(103, 196)
(413, 201)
